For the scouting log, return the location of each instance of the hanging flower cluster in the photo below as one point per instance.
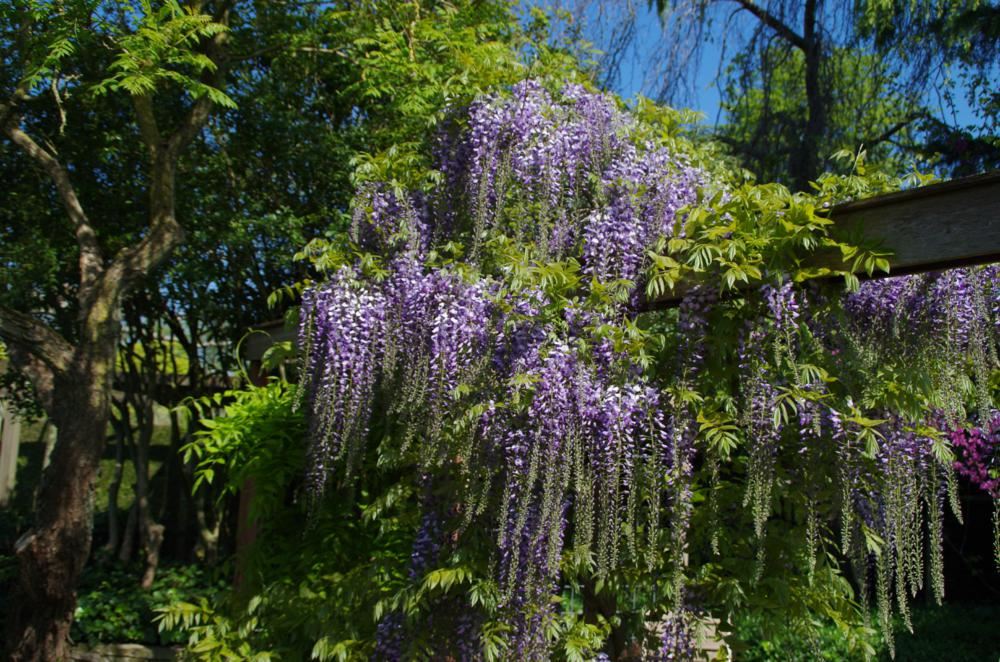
(344, 325)
(942, 322)
(585, 464)
(570, 163)
(677, 641)
(940, 328)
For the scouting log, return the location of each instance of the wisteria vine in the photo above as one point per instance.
(485, 335)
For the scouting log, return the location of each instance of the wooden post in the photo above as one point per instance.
(247, 529)
(10, 440)
(246, 534)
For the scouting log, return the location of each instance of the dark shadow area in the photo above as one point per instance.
(971, 574)
(955, 632)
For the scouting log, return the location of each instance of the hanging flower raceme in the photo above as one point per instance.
(344, 331)
(582, 442)
(566, 158)
(941, 323)
(677, 640)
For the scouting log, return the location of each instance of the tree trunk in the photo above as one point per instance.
(114, 525)
(176, 511)
(208, 533)
(52, 555)
(153, 540)
(128, 536)
(150, 531)
(806, 160)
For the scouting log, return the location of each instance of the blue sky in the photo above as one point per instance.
(704, 96)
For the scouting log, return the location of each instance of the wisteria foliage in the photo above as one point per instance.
(489, 334)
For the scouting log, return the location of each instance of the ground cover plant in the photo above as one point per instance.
(512, 452)
(110, 610)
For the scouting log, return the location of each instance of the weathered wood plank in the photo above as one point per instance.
(951, 224)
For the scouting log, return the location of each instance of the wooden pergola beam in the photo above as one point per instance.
(951, 224)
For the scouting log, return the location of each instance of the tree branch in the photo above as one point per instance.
(8, 111)
(165, 232)
(135, 262)
(893, 130)
(773, 22)
(28, 334)
(189, 127)
(148, 129)
(202, 108)
(91, 262)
